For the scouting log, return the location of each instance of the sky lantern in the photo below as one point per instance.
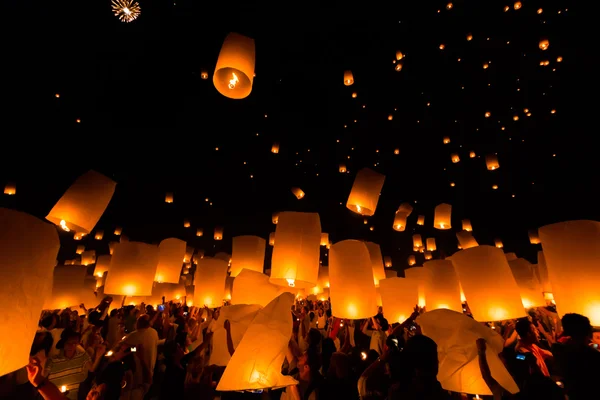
(387, 261)
(417, 240)
(572, 254)
(455, 158)
(400, 221)
(296, 253)
(88, 257)
(275, 148)
(544, 44)
(352, 290)
(443, 213)
(342, 168)
(102, 265)
(275, 218)
(348, 78)
(132, 269)
(10, 189)
(534, 237)
(411, 260)
(491, 162)
(218, 233)
(430, 244)
(99, 234)
(421, 220)
(399, 55)
(423, 277)
(376, 262)
(298, 193)
(248, 253)
(30, 272)
(169, 197)
(171, 252)
(498, 243)
(492, 292)
(68, 288)
(444, 288)
(272, 239)
(324, 239)
(234, 72)
(399, 297)
(466, 225)
(365, 192)
(466, 239)
(209, 282)
(199, 232)
(84, 202)
(446, 139)
(529, 286)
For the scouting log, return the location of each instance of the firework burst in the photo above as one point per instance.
(126, 10)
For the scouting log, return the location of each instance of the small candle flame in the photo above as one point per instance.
(234, 81)
(63, 225)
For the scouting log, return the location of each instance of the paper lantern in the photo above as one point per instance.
(488, 284)
(387, 261)
(275, 148)
(253, 287)
(421, 220)
(298, 193)
(240, 316)
(256, 363)
(446, 140)
(399, 297)
(102, 265)
(466, 225)
(170, 291)
(189, 254)
(466, 239)
(68, 288)
(82, 205)
(529, 286)
(352, 290)
(423, 278)
(324, 239)
(472, 154)
(428, 255)
(210, 282)
(533, 236)
(199, 232)
(234, 72)
(132, 269)
(272, 239)
(169, 197)
(444, 289)
(417, 240)
(10, 189)
(543, 273)
(204, 74)
(411, 260)
(323, 280)
(295, 259)
(342, 168)
(275, 218)
(348, 78)
(430, 242)
(455, 158)
(118, 230)
(376, 262)
(491, 161)
(390, 273)
(572, 254)
(498, 243)
(399, 55)
(249, 253)
(400, 221)
(443, 213)
(170, 253)
(80, 249)
(88, 257)
(228, 288)
(544, 44)
(510, 256)
(218, 234)
(27, 276)
(365, 192)
(99, 235)
(455, 335)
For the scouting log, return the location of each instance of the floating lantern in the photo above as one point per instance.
(423, 277)
(365, 192)
(466, 225)
(491, 161)
(88, 257)
(99, 235)
(275, 218)
(234, 72)
(387, 261)
(498, 243)
(342, 168)
(68, 288)
(272, 239)
(400, 221)
(441, 219)
(399, 297)
(169, 197)
(10, 189)
(466, 239)
(132, 269)
(218, 234)
(324, 239)
(417, 240)
(118, 231)
(248, 253)
(253, 287)
(421, 220)
(444, 288)
(102, 265)
(529, 287)
(455, 158)
(348, 78)
(446, 140)
(430, 242)
(209, 282)
(170, 253)
(534, 238)
(275, 148)
(411, 260)
(298, 193)
(544, 44)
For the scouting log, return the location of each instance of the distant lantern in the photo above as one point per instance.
(348, 78)
(376, 262)
(324, 239)
(248, 253)
(298, 193)
(455, 158)
(132, 269)
(423, 277)
(111, 247)
(399, 55)
(275, 218)
(234, 72)
(442, 217)
(446, 140)
(488, 114)
(199, 232)
(428, 255)
(517, 5)
(186, 223)
(421, 220)
(444, 288)
(365, 192)
(275, 148)
(491, 161)
(169, 197)
(405, 208)
(27, 276)
(466, 225)
(411, 260)
(492, 291)
(88, 257)
(430, 244)
(396, 151)
(69, 288)
(170, 253)
(534, 238)
(387, 261)
(204, 74)
(342, 168)
(10, 189)
(400, 221)
(390, 117)
(466, 240)
(472, 154)
(295, 259)
(442, 46)
(449, 6)
(118, 231)
(209, 282)
(398, 68)
(469, 37)
(102, 265)
(352, 291)
(417, 240)
(544, 44)
(80, 249)
(354, 95)
(399, 296)
(528, 283)
(498, 243)
(218, 233)
(84, 202)
(99, 235)
(272, 239)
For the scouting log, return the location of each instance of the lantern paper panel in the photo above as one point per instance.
(543, 273)
(30, 276)
(491, 291)
(249, 253)
(272, 239)
(423, 277)
(68, 288)
(376, 262)
(221, 255)
(572, 254)
(324, 239)
(210, 282)
(88, 257)
(399, 297)
(170, 291)
(199, 232)
(298, 193)
(240, 316)
(256, 363)
(365, 192)
(444, 288)
(275, 148)
(84, 202)
(529, 287)
(442, 217)
(171, 251)
(466, 239)
(323, 279)
(390, 273)
(352, 290)
(102, 265)
(275, 218)
(234, 72)
(132, 269)
(295, 259)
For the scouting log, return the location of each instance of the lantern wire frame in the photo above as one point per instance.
(126, 10)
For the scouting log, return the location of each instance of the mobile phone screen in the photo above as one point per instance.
(520, 356)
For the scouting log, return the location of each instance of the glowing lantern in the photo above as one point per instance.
(199, 232)
(99, 235)
(253, 287)
(169, 197)
(204, 74)
(348, 78)
(399, 297)
(298, 193)
(275, 218)
(491, 161)
(295, 260)
(428, 255)
(218, 234)
(324, 239)
(88, 257)
(118, 231)
(396, 151)
(446, 140)
(423, 278)
(544, 44)
(517, 5)
(352, 290)
(469, 37)
(400, 221)
(405, 208)
(492, 291)
(82, 205)
(272, 239)
(387, 261)
(376, 262)
(455, 158)
(391, 117)
(365, 192)
(234, 71)
(170, 253)
(572, 251)
(229, 287)
(472, 154)
(342, 168)
(170, 291)
(10, 189)
(323, 279)
(111, 247)
(498, 243)
(430, 244)
(354, 95)
(80, 249)
(542, 272)
(466, 225)
(248, 253)
(441, 219)
(256, 363)
(210, 282)
(529, 287)
(240, 317)
(275, 148)
(466, 239)
(417, 240)
(68, 288)
(399, 55)
(421, 220)
(132, 269)
(412, 260)
(31, 275)
(510, 256)
(102, 265)
(444, 289)
(534, 238)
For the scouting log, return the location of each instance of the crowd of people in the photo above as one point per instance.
(164, 352)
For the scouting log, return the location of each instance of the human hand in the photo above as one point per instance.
(481, 345)
(34, 371)
(227, 325)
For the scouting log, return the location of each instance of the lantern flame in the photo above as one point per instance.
(291, 282)
(234, 81)
(63, 225)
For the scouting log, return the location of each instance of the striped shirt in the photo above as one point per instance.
(69, 372)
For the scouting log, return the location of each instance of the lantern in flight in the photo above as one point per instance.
(443, 213)
(365, 192)
(234, 72)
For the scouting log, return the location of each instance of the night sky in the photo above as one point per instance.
(131, 104)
